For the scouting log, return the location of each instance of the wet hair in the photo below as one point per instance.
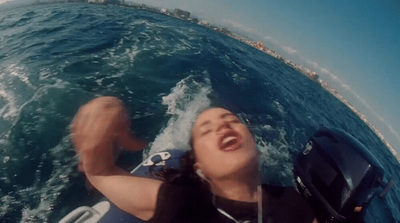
(184, 175)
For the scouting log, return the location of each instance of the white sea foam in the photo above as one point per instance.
(45, 192)
(121, 56)
(18, 72)
(49, 191)
(151, 38)
(275, 160)
(15, 109)
(280, 108)
(239, 79)
(7, 204)
(186, 100)
(13, 72)
(9, 110)
(239, 66)
(14, 101)
(132, 52)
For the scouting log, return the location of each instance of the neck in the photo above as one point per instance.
(243, 189)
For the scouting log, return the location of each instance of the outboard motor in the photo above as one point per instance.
(338, 176)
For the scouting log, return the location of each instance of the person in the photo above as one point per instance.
(220, 183)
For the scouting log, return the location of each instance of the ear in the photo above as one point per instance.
(198, 171)
(196, 167)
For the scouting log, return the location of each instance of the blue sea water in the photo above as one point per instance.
(54, 58)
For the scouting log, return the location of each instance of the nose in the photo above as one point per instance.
(222, 125)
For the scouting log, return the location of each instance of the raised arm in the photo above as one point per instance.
(96, 129)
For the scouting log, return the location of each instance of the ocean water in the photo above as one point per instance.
(54, 58)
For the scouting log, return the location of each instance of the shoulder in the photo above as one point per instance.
(182, 193)
(177, 202)
(286, 204)
(282, 192)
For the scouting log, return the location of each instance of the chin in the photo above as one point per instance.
(246, 164)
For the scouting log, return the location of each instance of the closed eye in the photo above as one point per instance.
(234, 121)
(206, 132)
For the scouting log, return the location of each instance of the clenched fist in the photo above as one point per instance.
(98, 129)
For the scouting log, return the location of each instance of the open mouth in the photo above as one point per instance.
(230, 141)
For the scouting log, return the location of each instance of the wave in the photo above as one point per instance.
(13, 77)
(275, 161)
(9, 108)
(37, 155)
(187, 99)
(48, 192)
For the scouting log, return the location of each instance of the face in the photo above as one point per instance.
(224, 147)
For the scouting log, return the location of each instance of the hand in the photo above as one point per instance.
(97, 128)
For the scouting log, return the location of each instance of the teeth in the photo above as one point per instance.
(228, 139)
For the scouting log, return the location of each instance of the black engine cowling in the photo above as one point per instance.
(338, 175)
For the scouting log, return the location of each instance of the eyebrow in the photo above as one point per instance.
(228, 114)
(221, 116)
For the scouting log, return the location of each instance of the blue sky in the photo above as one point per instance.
(353, 45)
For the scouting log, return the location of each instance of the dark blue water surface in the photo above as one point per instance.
(54, 58)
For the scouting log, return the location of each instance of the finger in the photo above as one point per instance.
(77, 118)
(123, 121)
(76, 125)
